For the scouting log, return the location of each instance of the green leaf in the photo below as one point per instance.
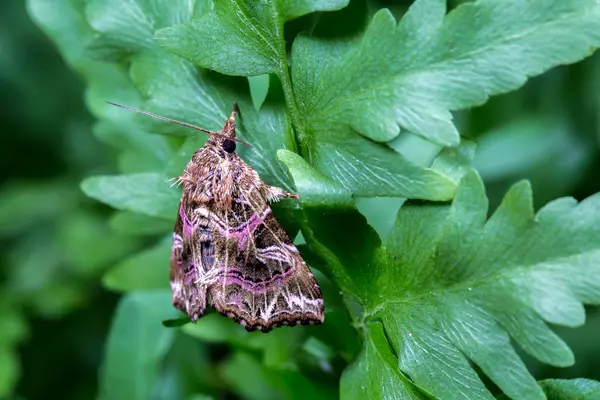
(327, 197)
(176, 89)
(65, 23)
(318, 188)
(146, 270)
(369, 169)
(385, 380)
(240, 30)
(296, 8)
(130, 25)
(176, 322)
(135, 162)
(574, 389)
(136, 344)
(127, 136)
(248, 378)
(380, 212)
(187, 368)
(415, 148)
(253, 380)
(236, 30)
(135, 224)
(278, 347)
(102, 48)
(450, 288)
(413, 72)
(259, 88)
(455, 162)
(146, 193)
(267, 132)
(89, 245)
(214, 328)
(248, 31)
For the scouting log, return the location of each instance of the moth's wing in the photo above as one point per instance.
(262, 282)
(191, 242)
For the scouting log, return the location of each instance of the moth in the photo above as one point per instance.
(228, 249)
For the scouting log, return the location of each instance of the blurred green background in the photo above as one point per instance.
(56, 243)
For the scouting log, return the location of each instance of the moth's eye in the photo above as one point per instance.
(228, 145)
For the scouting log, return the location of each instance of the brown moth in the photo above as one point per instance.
(228, 249)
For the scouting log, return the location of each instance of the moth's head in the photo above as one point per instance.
(225, 138)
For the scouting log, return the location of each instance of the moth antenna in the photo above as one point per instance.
(242, 142)
(173, 121)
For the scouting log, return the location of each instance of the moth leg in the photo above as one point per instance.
(175, 181)
(179, 180)
(273, 193)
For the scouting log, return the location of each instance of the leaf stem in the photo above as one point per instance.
(290, 99)
(296, 137)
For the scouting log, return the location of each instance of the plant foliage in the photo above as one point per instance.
(424, 311)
